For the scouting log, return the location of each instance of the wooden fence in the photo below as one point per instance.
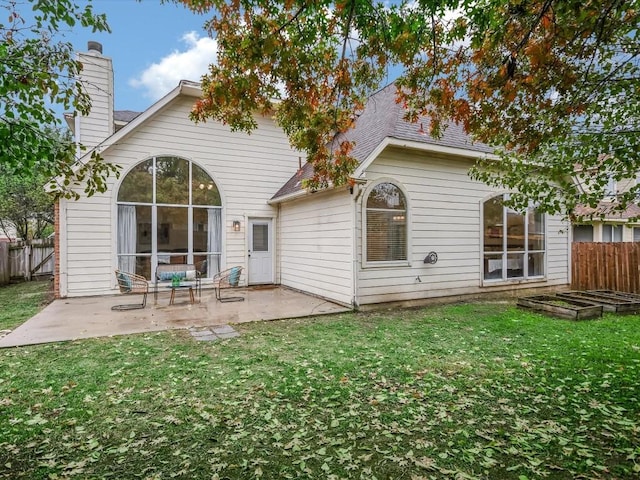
(595, 266)
(5, 274)
(606, 266)
(24, 262)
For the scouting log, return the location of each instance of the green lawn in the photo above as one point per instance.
(21, 301)
(462, 391)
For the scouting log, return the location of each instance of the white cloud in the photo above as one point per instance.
(160, 78)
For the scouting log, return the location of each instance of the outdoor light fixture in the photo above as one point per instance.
(236, 225)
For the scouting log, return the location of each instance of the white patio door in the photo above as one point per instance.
(260, 251)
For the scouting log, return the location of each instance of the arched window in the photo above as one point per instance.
(514, 243)
(386, 212)
(169, 211)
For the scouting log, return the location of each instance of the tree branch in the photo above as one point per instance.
(292, 19)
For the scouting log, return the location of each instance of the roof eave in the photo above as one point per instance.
(425, 147)
(299, 194)
(289, 197)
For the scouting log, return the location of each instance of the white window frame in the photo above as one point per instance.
(504, 253)
(386, 263)
(155, 255)
(612, 228)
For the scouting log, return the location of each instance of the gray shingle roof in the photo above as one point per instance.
(382, 118)
(124, 115)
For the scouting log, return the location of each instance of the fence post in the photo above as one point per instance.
(27, 262)
(5, 274)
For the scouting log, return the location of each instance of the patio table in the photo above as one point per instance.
(182, 285)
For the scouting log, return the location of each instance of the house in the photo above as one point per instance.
(413, 226)
(604, 223)
(7, 232)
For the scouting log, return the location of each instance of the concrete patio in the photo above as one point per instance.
(88, 317)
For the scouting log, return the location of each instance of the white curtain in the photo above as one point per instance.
(127, 236)
(214, 241)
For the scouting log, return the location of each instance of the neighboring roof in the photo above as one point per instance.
(124, 115)
(605, 211)
(382, 118)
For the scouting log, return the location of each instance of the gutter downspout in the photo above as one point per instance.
(569, 253)
(276, 247)
(62, 261)
(354, 269)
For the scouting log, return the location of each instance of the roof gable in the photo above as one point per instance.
(381, 123)
(185, 87)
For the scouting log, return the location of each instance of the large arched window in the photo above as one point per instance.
(169, 211)
(386, 212)
(514, 243)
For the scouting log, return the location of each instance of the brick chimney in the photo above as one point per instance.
(97, 80)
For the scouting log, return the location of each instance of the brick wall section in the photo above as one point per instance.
(56, 250)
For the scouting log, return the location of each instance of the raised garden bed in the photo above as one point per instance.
(616, 294)
(610, 301)
(555, 306)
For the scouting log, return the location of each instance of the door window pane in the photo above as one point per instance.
(260, 238)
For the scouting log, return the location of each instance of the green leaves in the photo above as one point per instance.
(38, 71)
(553, 86)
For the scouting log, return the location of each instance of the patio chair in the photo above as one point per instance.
(229, 278)
(130, 283)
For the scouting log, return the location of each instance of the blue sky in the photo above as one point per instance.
(153, 46)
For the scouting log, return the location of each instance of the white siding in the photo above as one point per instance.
(248, 170)
(97, 80)
(316, 245)
(444, 216)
